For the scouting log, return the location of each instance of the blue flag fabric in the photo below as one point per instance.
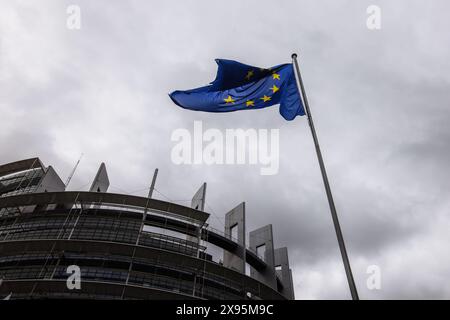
(242, 87)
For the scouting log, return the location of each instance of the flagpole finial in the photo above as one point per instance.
(294, 55)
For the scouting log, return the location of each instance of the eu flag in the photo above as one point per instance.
(242, 87)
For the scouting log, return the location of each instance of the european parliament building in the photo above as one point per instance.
(127, 247)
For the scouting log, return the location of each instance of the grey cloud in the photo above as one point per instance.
(379, 99)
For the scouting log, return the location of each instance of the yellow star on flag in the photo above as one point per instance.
(275, 76)
(229, 99)
(265, 98)
(249, 75)
(250, 103)
(274, 88)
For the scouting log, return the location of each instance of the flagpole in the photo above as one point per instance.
(337, 228)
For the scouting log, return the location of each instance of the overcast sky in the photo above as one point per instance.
(380, 100)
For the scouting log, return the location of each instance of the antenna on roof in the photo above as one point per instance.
(152, 187)
(73, 171)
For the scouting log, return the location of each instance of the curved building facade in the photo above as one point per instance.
(126, 247)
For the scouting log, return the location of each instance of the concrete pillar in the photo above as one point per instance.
(284, 272)
(101, 180)
(50, 182)
(198, 201)
(236, 219)
(264, 237)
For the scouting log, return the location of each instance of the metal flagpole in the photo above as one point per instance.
(340, 238)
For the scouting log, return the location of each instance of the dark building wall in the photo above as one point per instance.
(44, 230)
(236, 219)
(40, 245)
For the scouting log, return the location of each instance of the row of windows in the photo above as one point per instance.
(168, 243)
(37, 234)
(22, 257)
(182, 286)
(150, 240)
(120, 262)
(21, 175)
(100, 235)
(27, 259)
(9, 212)
(35, 224)
(83, 256)
(96, 222)
(161, 282)
(59, 229)
(94, 274)
(20, 183)
(74, 294)
(210, 285)
(169, 238)
(111, 275)
(21, 179)
(32, 272)
(173, 284)
(57, 221)
(52, 228)
(104, 235)
(28, 189)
